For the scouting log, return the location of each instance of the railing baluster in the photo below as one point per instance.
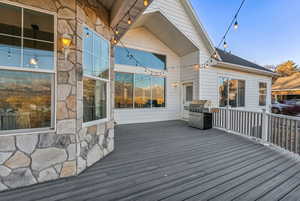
(297, 147)
(277, 131)
(242, 119)
(286, 134)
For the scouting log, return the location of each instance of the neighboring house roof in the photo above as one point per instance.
(287, 83)
(233, 59)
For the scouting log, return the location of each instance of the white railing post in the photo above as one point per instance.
(264, 125)
(227, 118)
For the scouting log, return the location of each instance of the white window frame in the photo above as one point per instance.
(133, 93)
(228, 79)
(259, 94)
(52, 128)
(107, 81)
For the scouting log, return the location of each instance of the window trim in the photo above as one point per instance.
(107, 81)
(133, 93)
(231, 78)
(54, 84)
(259, 94)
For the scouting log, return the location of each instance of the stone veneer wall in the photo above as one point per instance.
(27, 159)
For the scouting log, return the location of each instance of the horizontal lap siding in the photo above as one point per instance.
(209, 85)
(188, 72)
(141, 38)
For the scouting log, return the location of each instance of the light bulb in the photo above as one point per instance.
(215, 55)
(117, 31)
(146, 3)
(33, 61)
(225, 44)
(236, 25)
(129, 20)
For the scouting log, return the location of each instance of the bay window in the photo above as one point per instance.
(139, 91)
(96, 76)
(27, 68)
(231, 92)
(262, 93)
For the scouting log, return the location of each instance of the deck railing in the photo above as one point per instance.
(280, 130)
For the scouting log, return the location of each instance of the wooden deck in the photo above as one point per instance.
(171, 161)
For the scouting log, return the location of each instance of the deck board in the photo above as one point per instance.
(171, 161)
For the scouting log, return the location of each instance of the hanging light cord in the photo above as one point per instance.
(223, 40)
(230, 25)
(126, 14)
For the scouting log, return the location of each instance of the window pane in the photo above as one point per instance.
(10, 19)
(189, 93)
(262, 100)
(262, 88)
(88, 40)
(123, 90)
(158, 92)
(241, 93)
(95, 55)
(101, 53)
(146, 59)
(94, 99)
(10, 51)
(38, 25)
(25, 100)
(233, 93)
(88, 63)
(262, 93)
(223, 91)
(142, 91)
(38, 55)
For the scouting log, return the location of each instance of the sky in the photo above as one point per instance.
(268, 33)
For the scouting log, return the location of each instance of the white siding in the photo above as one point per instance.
(176, 13)
(188, 73)
(209, 86)
(141, 38)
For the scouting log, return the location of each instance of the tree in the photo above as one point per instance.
(287, 68)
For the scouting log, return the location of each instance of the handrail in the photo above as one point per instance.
(280, 130)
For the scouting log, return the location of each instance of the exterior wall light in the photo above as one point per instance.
(196, 67)
(66, 41)
(175, 84)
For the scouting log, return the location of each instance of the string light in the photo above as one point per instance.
(215, 55)
(9, 54)
(146, 3)
(33, 61)
(129, 21)
(114, 40)
(117, 31)
(225, 45)
(236, 25)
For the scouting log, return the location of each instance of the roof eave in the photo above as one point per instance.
(244, 68)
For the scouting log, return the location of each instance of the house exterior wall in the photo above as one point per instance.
(209, 86)
(189, 72)
(29, 158)
(142, 39)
